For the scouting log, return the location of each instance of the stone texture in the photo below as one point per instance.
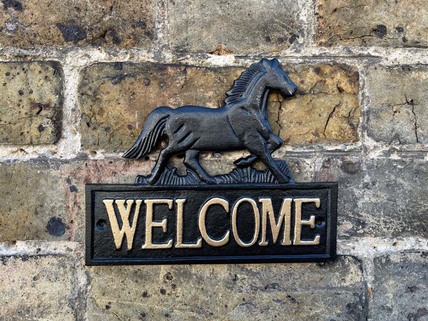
(77, 22)
(400, 287)
(30, 103)
(36, 288)
(33, 202)
(398, 109)
(229, 292)
(349, 172)
(379, 197)
(241, 26)
(372, 23)
(324, 110)
(116, 99)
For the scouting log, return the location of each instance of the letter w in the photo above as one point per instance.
(128, 228)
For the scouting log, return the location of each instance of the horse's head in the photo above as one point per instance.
(277, 78)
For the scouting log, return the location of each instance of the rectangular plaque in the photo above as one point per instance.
(138, 224)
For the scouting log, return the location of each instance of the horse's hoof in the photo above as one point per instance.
(240, 162)
(283, 180)
(243, 162)
(152, 180)
(209, 180)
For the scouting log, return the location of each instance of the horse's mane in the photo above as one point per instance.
(241, 84)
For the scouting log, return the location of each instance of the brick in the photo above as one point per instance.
(325, 109)
(242, 292)
(116, 99)
(379, 197)
(77, 23)
(398, 109)
(400, 287)
(242, 27)
(33, 202)
(374, 23)
(35, 287)
(30, 103)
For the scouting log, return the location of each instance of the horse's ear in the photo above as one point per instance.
(275, 63)
(266, 63)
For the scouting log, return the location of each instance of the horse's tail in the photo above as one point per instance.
(149, 136)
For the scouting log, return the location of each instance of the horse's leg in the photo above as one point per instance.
(259, 147)
(179, 142)
(191, 160)
(163, 158)
(274, 142)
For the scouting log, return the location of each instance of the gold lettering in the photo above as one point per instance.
(256, 219)
(150, 224)
(202, 222)
(285, 215)
(128, 228)
(179, 244)
(299, 222)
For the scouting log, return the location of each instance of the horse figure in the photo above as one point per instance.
(242, 123)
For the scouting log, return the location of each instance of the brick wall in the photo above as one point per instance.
(78, 79)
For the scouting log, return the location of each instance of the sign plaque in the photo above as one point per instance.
(247, 215)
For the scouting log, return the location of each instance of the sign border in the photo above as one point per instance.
(331, 242)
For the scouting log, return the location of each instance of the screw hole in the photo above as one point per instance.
(101, 225)
(319, 222)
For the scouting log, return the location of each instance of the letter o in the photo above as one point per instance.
(256, 219)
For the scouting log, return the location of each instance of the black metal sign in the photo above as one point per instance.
(247, 215)
(131, 224)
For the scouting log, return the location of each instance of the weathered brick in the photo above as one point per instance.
(37, 287)
(398, 109)
(77, 22)
(400, 287)
(116, 99)
(33, 201)
(241, 26)
(372, 23)
(242, 292)
(324, 110)
(379, 197)
(30, 103)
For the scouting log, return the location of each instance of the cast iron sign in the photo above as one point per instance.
(246, 215)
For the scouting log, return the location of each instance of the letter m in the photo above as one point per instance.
(127, 228)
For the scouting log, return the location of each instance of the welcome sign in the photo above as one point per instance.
(246, 215)
(142, 224)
